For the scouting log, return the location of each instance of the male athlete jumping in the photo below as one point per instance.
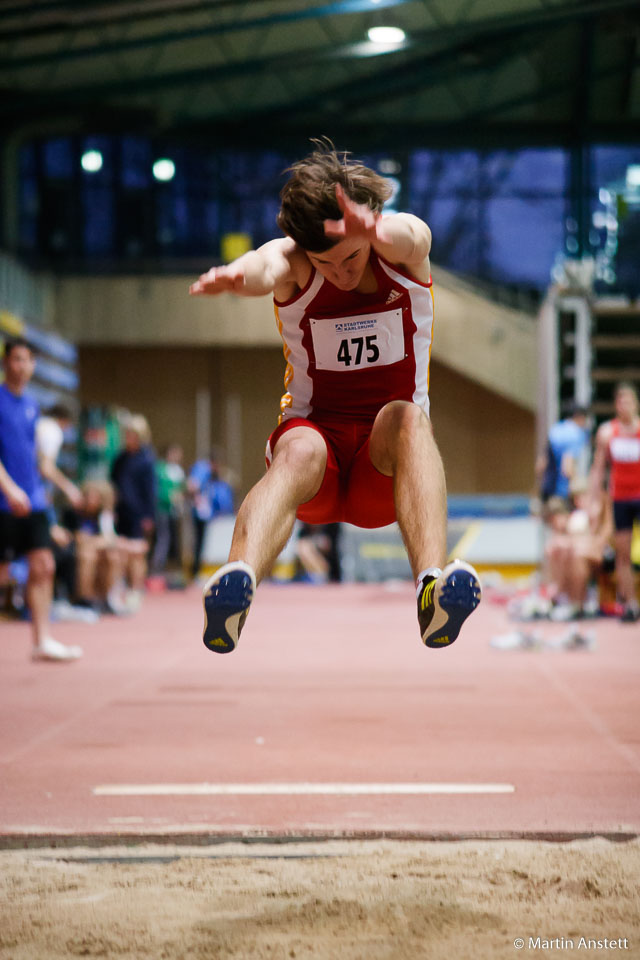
(352, 294)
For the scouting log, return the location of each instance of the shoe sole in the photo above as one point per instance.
(457, 598)
(227, 596)
(70, 657)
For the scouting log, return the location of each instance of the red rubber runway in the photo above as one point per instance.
(329, 686)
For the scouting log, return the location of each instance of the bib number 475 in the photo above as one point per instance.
(360, 345)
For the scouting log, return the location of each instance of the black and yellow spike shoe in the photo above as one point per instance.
(445, 602)
(227, 596)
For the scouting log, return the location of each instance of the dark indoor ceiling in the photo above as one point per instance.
(268, 72)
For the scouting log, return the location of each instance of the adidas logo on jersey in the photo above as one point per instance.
(393, 296)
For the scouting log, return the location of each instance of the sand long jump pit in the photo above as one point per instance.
(342, 899)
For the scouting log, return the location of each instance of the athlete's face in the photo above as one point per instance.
(626, 405)
(18, 368)
(344, 264)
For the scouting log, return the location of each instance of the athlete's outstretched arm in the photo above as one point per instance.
(254, 274)
(398, 237)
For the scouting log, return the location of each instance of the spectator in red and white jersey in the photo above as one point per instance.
(618, 447)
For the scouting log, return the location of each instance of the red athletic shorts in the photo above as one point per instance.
(352, 490)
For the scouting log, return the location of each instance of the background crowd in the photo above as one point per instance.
(80, 551)
(138, 520)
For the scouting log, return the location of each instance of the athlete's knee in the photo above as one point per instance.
(41, 566)
(303, 455)
(399, 419)
(398, 427)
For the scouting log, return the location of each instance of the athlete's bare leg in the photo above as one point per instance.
(266, 517)
(39, 591)
(402, 446)
(624, 571)
(87, 560)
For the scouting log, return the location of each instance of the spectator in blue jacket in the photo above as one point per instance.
(133, 476)
(566, 457)
(211, 496)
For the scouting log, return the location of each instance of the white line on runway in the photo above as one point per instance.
(291, 789)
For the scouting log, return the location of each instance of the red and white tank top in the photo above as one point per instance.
(350, 353)
(624, 455)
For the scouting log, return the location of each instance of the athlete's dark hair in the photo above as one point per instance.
(577, 410)
(308, 198)
(16, 342)
(626, 385)
(59, 412)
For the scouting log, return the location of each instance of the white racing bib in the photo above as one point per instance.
(625, 449)
(357, 343)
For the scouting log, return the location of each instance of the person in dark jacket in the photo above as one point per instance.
(133, 476)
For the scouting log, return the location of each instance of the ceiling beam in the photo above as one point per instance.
(15, 100)
(53, 17)
(333, 8)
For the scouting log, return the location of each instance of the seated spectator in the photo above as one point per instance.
(211, 496)
(577, 548)
(100, 558)
(66, 604)
(133, 476)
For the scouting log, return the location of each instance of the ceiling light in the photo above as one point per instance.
(164, 169)
(386, 35)
(91, 161)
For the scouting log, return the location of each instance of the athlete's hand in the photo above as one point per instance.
(358, 220)
(18, 500)
(227, 279)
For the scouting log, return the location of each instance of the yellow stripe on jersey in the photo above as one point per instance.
(286, 400)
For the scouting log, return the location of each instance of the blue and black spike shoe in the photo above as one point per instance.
(227, 596)
(446, 602)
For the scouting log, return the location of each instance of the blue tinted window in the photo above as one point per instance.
(98, 199)
(497, 215)
(28, 197)
(525, 236)
(526, 172)
(500, 214)
(58, 158)
(442, 173)
(136, 161)
(609, 164)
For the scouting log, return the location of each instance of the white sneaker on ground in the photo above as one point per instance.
(564, 612)
(50, 649)
(574, 639)
(63, 610)
(531, 607)
(133, 601)
(516, 640)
